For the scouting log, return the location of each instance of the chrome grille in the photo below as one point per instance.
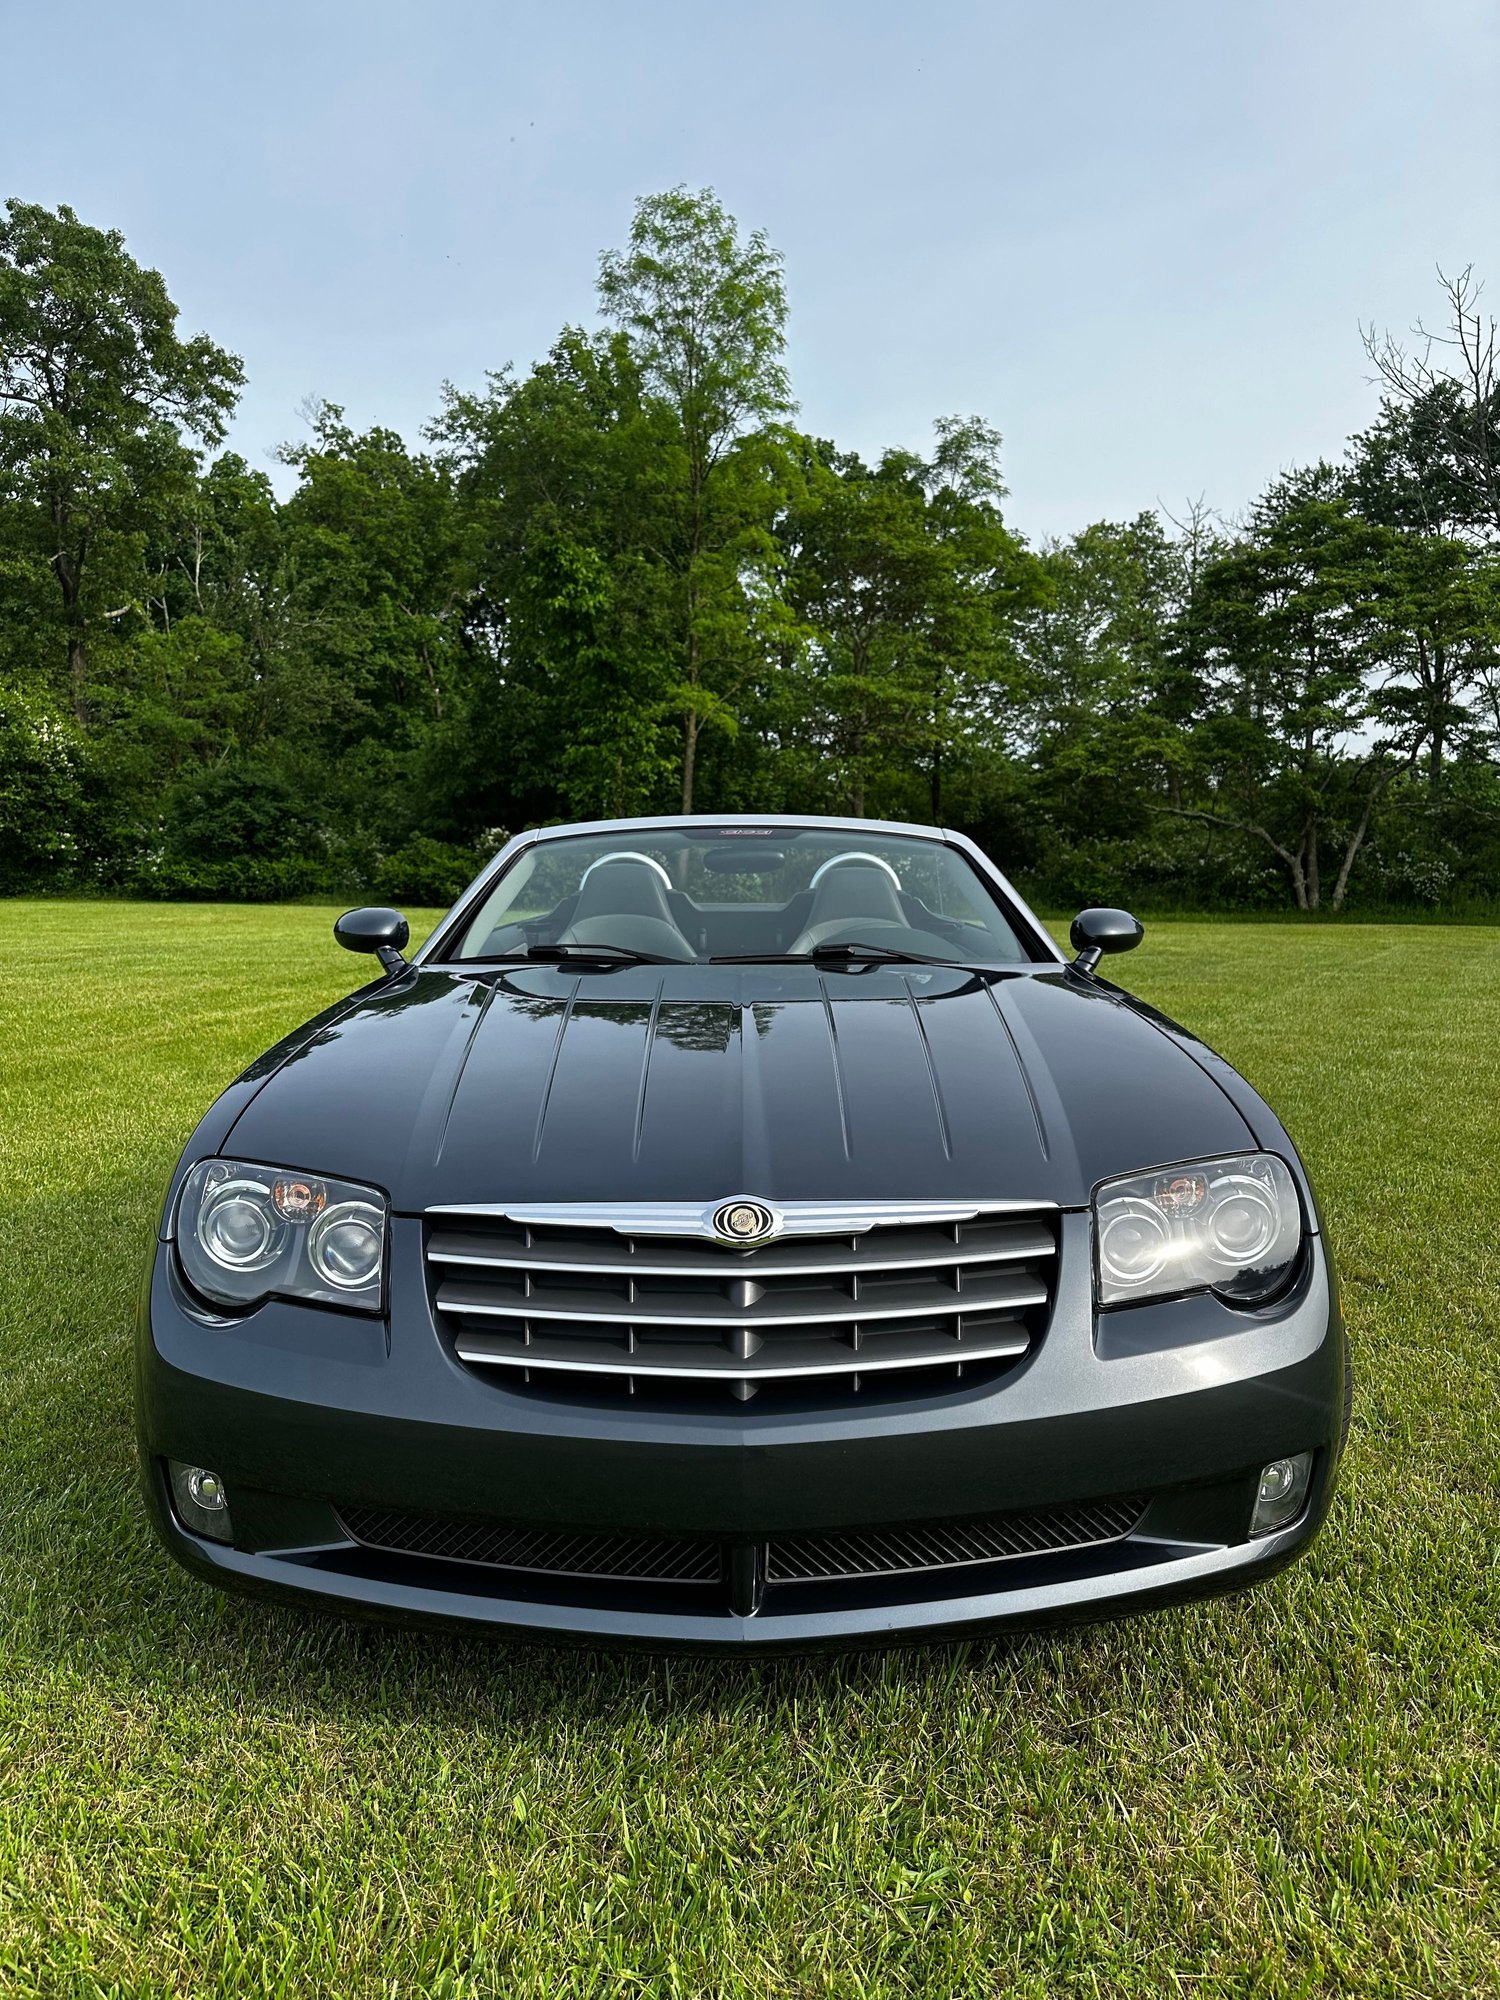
(652, 1297)
(950, 1545)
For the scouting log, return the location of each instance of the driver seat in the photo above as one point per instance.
(856, 894)
(624, 903)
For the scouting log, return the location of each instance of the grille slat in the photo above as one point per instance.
(1002, 1292)
(716, 1359)
(625, 1301)
(663, 1258)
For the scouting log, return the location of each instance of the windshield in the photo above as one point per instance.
(766, 892)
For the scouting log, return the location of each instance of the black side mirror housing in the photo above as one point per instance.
(385, 932)
(1094, 932)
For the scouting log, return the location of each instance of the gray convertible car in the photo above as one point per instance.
(740, 1232)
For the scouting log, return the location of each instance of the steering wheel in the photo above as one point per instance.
(627, 854)
(838, 860)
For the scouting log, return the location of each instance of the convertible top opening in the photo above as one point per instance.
(739, 892)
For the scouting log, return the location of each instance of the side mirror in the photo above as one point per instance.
(384, 932)
(1095, 932)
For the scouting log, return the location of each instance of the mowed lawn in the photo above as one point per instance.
(1295, 1792)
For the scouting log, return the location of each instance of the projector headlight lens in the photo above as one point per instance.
(1232, 1226)
(237, 1226)
(346, 1243)
(246, 1232)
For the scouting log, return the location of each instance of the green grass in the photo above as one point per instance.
(1295, 1792)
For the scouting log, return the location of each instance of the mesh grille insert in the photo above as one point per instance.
(950, 1545)
(789, 1559)
(546, 1551)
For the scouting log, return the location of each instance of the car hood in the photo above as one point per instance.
(694, 1083)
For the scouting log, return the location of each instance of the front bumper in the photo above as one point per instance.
(303, 1411)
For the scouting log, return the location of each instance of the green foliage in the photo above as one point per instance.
(622, 583)
(425, 871)
(43, 792)
(235, 832)
(905, 586)
(569, 603)
(704, 317)
(98, 397)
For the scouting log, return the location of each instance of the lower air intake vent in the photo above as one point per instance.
(953, 1545)
(788, 1561)
(543, 1551)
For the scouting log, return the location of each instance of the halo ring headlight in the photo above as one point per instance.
(245, 1233)
(1134, 1241)
(1231, 1226)
(238, 1227)
(1243, 1220)
(346, 1243)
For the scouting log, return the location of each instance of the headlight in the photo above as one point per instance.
(1232, 1226)
(244, 1232)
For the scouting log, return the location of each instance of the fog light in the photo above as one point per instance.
(1283, 1492)
(201, 1503)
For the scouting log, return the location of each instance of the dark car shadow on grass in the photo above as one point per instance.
(97, 1597)
(88, 1588)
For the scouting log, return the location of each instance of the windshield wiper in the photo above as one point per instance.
(606, 954)
(578, 954)
(832, 954)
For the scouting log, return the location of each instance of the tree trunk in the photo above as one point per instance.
(78, 675)
(1357, 838)
(67, 567)
(689, 756)
(1310, 848)
(1356, 842)
(1299, 880)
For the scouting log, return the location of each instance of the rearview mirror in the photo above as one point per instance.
(1095, 932)
(384, 932)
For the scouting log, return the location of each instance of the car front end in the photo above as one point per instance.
(740, 1305)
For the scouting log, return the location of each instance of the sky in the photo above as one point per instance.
(1140, 236)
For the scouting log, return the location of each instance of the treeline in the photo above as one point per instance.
(625, 582)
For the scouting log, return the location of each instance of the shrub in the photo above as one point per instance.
(235, 833)
(42, 793)
(426, 871)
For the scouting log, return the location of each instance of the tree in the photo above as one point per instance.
(1284, 623)
(1112, 680)
(1435, 594)
(370, 548)
(96, 394)
(705, 316)
(570, 606)
(1448, 387)
(906, 585)
(985, 580)
(858, 572)
(43, 792)
(1434, 611)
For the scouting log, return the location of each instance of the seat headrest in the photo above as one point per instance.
(856, 890)
(622, 889)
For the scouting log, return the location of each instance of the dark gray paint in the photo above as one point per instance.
(691, 1083)
(683, 1083)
